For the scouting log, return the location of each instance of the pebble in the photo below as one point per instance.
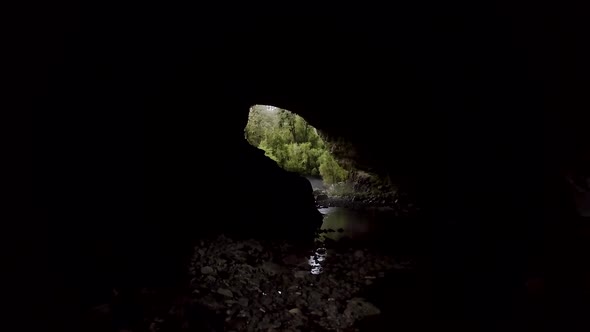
(207, 270)
(253, 286)
(225, 292)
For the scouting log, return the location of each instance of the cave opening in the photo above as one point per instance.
(477, 118)
(355, 203)
(294, 145)
(328, 163)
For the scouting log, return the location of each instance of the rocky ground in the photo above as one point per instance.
(248, 285)
(396, 202)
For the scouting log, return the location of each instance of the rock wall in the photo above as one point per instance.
(140, 147)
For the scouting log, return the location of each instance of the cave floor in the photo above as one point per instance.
(348, 278)
(249, 285)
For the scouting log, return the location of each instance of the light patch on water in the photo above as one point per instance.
(316, 259)
(344, 222)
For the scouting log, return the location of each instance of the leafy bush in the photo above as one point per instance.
(330, 171)
(290, 141)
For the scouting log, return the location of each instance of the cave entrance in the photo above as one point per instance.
(294, 145)
(355, 204)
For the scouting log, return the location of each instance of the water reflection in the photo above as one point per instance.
(346, 222)
(369, 226)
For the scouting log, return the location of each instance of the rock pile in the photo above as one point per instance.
(398, 203)
(258, 286)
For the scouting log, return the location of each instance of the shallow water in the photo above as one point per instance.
(377, 228)
(354, 224)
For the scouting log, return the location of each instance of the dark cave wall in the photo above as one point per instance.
(480, 119)
(129, 183)
(475, 104)
(201, 153)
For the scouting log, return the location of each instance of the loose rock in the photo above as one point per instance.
(243, 302)
(207, 270)
(256, 286)
(225, 292)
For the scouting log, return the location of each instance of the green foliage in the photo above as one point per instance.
(330, 171)
(268, 151)
(341, 189)
(290, 141)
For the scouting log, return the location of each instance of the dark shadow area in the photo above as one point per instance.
(140, 161)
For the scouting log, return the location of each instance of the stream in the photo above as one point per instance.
(354, 224)
(355, 276)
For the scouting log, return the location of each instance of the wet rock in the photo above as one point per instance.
(243, 302)
(225, 292)
(207, 270)
(266, 301)
(271, 268)
(321, 197)
(211, 303)
(359, 308)
(267, 284)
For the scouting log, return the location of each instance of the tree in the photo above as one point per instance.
(290, 141)
(329, 169)
(268, 151)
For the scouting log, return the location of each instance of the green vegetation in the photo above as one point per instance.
(290, 141)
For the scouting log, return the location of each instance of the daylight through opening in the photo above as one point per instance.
(294, 144)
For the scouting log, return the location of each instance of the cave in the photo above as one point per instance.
(479, 121)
